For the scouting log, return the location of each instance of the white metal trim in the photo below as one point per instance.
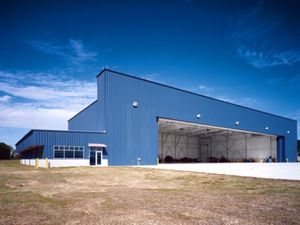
(97, 145)
(96, 158)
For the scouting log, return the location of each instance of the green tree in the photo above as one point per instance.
(6, 151)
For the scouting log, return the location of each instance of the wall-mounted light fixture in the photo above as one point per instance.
(135, 104)
(198, 116)
(237, 123)
(288, 132)
(266, 128)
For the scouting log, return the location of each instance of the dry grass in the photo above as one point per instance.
(122, 195)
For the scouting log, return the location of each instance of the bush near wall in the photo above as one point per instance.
(6, 151)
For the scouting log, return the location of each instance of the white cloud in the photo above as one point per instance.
(249, 100)
(226, 98)
(255, 39)
(30, 116)
(266, 58)
(5, 98)
(155, 78)
(81, 54)
(48, 48)
(74, 50)
(42, 100)
(220, 94)
(51, 90)
(205, 88)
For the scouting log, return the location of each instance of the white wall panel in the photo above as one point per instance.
(239, 146)
(61, 162)
(185, 147)
(193, 148)
(234, 146)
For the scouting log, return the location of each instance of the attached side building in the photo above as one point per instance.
(137, 121)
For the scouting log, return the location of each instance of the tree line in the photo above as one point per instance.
(7, 151)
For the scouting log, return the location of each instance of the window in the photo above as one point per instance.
(68, 152)
(58, 154)
(78, 154)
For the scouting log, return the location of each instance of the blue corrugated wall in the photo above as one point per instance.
(85, 119)
(92, 118)
(132, 132)
(49, 138)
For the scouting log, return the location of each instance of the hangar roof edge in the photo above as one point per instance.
(179, 89)
(30, 132)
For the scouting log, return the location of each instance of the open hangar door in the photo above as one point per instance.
(189, 142)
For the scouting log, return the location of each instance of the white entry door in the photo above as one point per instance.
(98, 158)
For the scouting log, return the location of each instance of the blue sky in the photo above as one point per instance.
(245, 52)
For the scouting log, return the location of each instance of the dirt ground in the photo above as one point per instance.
(124, 195)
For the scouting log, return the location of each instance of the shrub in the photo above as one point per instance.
(6, 151)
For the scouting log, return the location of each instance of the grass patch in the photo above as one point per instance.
(126, 195)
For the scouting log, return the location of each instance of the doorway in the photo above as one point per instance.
(96, 156)
(184, 142)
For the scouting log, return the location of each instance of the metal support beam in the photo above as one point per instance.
(199, 146)
(227, 147)
(177, 140)
(211, 146)
(164, 138)
(246, 135)
(270, 146)
(162, 148)
(175, 149)
(187, 146)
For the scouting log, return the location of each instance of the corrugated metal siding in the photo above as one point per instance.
(30, 140)
(92, 118)
(50, 138)
(132, 132)
(86, 120)
(101, 93)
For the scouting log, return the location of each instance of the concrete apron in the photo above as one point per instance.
(288, 171)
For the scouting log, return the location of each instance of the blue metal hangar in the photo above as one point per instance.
(139, 122)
